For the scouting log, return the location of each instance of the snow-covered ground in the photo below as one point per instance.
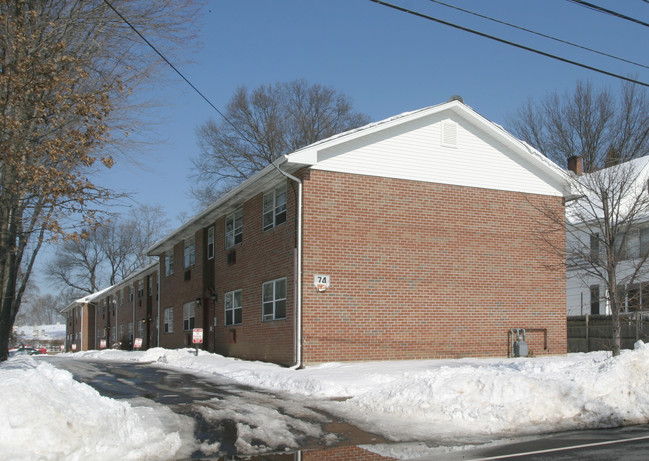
(45, 414)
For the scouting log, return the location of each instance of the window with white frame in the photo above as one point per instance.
(169, 320)
(140, 288)
(274, 299)
(189, 315)
(130, 330)
(169, 264)
(275, 207)
(130, 292)
(190, 251)
(233, 308)
(234, 228)
(140, 329)
(210, 243)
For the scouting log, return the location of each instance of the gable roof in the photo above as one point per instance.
(629, 178)
(309, 156)
(495, 142)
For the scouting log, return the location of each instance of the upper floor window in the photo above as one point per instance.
(274, 299)
(210, 243)
(594, 247)
(190, 251)
(140, 288)
(275, 207)
(233, 308)
(234, 228)
(169, 264)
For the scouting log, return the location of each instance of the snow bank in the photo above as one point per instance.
(45, 414)
(445, 402)
(415, 400)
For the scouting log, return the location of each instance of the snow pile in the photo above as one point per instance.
(436, 402)
(46, 414)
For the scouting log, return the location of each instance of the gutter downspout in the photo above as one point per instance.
(81, 328)
(298, 307)
(157, 327)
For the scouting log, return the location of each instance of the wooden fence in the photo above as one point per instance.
(588, 333)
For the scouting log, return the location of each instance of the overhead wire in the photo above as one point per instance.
(592, 6)
(175, 69)
(510, 43)
(566, 42)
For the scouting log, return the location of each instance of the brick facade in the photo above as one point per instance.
(421, 270)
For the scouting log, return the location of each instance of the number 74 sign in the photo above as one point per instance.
(321, 282)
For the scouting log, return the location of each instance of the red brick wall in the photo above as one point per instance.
(422, 270)
(262, 256)
(175, 291)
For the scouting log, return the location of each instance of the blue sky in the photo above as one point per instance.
(388, 62)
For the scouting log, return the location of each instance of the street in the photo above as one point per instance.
(231, 414)
(209, 400)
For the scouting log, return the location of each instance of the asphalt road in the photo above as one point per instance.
(191, 394)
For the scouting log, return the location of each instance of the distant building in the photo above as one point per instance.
(585, 293)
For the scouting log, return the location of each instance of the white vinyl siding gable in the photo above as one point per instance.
(442, 150)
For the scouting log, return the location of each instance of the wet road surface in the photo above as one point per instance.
(206, 397)
(209, 399)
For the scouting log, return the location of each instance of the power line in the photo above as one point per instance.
(611, 12)
(541, 34)
(173, 67)
(507, 42)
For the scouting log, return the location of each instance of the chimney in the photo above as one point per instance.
(576, 164)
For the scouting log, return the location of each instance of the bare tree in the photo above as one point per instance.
(66, 66)
(601, 127)
(108, 253)
(604, 223)
(261, 125)
(608, 234)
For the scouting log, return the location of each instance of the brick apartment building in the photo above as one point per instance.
(116, 316)
(414, 237)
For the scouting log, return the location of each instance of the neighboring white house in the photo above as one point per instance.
(585, 292)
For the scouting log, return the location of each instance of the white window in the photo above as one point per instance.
(140, 329)
(140, 288)
(234, 228)
(189, 315)
(233, 308)
(130, 292)
(275, 207)
(190, 252)
(121, 332)
(169, 320)
(130, 330)
(169, 264)
(210, 243)
(121, 297)
(274, 299)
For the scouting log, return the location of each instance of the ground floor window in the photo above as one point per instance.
(169, 320)
(189, 316)
(274, 299)
(594, 300)
(233, 308)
